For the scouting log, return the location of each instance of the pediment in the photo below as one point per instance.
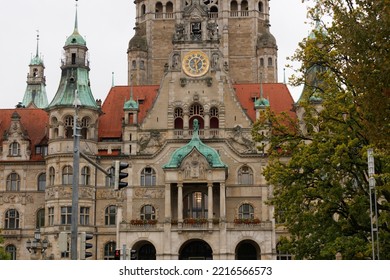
(194, 166)
(197, 10)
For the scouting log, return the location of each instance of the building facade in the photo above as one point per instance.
(199, 73)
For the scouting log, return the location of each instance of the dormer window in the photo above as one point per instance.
(14, 149)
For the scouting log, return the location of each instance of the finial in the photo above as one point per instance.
(76, 21)
(37, 53)
(261, 85)
(113, 83)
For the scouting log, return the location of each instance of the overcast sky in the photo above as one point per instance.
(107, 27)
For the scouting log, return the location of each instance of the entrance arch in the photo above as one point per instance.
(195, 250)
(144, 250)
(247, 250)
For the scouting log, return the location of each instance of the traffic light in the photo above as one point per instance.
(133, 254)
(84, 245)
(117, 255)
(119, 175)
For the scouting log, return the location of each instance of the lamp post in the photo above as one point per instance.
(37, 245)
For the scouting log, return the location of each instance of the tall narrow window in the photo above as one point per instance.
(40, 222)
(270, 61)
(73, 58)
(12, 219)
(42, 182)
(68, 123)
(13, 182)
(11, 249)
(14, 149)
(50, 216)
(109, 250)
(84, 216)
(52, 175)
(67, 175)
(66, 215)
(85, 176)
(110, 216)
(178, 123)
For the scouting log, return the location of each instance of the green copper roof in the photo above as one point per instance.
(36, 60)
(35, 95)
(209, 153)
(66, 91)
(130, 105)
(261, 102)
(75, 38)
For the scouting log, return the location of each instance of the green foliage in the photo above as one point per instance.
(318, 166)
(3, 254)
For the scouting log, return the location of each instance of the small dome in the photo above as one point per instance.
(138, 43)
(261, 102)
(266, 40)
(130, 104)
(75, 39)
(36, 60)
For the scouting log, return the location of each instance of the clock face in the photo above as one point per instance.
(195, 63)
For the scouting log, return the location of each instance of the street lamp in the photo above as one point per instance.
(36, 244)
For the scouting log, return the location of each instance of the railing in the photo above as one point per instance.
(213, 15)
(164, 15)
(239, 14)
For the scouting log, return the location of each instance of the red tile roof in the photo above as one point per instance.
(110, 123)
(33, 121)
(277, 94)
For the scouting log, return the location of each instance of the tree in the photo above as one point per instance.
(318, 164)
(3, 254)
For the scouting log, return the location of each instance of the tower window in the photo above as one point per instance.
(73, 58)
(270, 61)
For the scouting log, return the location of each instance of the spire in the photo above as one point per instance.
(37, 53)
(75, 19)
(112, 82)
(131, 104)
(75, 38)
(262, 102)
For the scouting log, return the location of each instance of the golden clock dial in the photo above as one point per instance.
(195, 63)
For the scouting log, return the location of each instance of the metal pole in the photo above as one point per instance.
(75, 185)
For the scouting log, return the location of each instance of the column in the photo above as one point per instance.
(168, 211)
(210, 205)
(222, 201)
(180, 202)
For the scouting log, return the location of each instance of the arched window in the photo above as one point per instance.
(110, 216)
(11, 219)
(270, 61)
(85, 123)
(148, 177)
(143, 10)
(14, 149)
(148, 213)
(196, 112)
(52, 175)
(67, 175)
(179, 124)
(11, 249)
(42, 182)
(159, 10)
(13, 182)
(245, 175)
(68, 123)
(169, 7)
(40, 222)
(85, 176)
(195, 205)
(134, 64)
(244, 5)
(261, 7)
(233, 6)
(246, 211)
(109, 250)
(214, 117)
(261, 62)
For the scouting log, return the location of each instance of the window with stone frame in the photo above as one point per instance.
(13, 182)
(14, 149)
(40, 218)
(148, 177)
(148, 212)
(109, 250)
(85, 123)
(246, 211)
(195, 205)
(67, 175)
(84, 216)
(245, 175)
(50, 216)
(178, 116)
(68, 125)
(11, 219)
(66, 215)
(42, 182)
(52, 175)
(110, 215)
(86, 176)
(11, 250)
